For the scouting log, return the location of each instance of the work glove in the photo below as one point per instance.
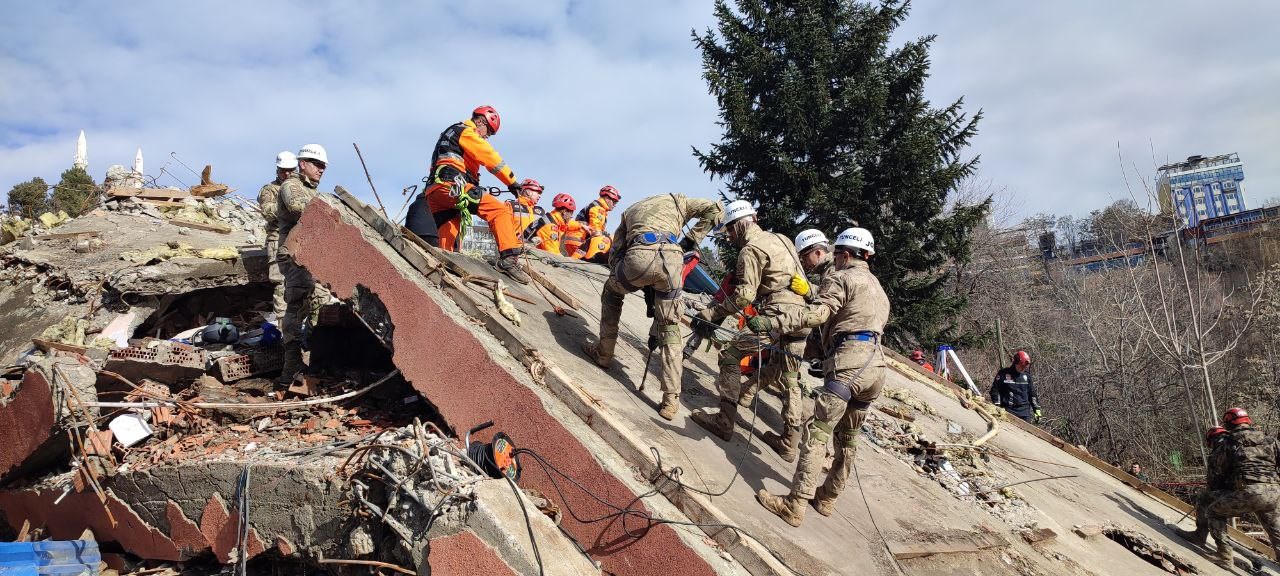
(514, 188)
(761, 324)
(687, 244)
(800, 285)
(702, 324)
(1037, 415)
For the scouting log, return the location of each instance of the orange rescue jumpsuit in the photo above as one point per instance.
(461, 151)
(524, 212)
(596, 217)
(550, 230)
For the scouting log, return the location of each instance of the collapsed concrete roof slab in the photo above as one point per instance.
(907, 519)
(466, 375)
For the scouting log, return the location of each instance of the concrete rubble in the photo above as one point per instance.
(182, 455)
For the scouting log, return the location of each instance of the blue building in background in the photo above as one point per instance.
(1202, 188)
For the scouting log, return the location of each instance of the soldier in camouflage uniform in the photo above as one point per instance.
(646, 255)
(852, 310)
(767, 268)
(1248, 468)
(268, 197)
(299, 287)
(1215, 481)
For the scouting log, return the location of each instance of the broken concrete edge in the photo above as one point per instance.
(499, 522)
(906, 367)
(330, 236)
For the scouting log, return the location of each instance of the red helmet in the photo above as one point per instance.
(1021, 357)
(490, 117)
(1213, 433)
(611, 193)
(531, 184)
(917, 355)
(565, 201)
(1236, 417)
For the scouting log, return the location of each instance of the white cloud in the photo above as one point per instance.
(594, 92)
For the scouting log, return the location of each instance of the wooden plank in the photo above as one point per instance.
(551, 286)
(219, 228)
(84, 234)
(976, 543)
(47, 345)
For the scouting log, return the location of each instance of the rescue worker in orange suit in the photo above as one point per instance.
(1014, 390)
(454, 190)
(596, 217)
(549, 230)
(918, 357)
(525, 207)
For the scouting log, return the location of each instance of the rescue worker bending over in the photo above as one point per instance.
(454, 196)
(595, 216)
(268, 199)
(646, 255)
(918, 357)
(1214, 481)
(301, 295)
(851, 309)
(1245, 468)
(549, 230)
(1014, 390)
(767, 268)
(525, 209)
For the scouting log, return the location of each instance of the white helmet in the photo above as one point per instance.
(738, 209)
(314, 152)
(286, 160)
(858, 238)
(808, 238)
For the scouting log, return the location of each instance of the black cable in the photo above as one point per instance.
(528, 524)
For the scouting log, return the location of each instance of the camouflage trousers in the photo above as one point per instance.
(302, 298)
(781, 372)
(659, 267)
(859, 367)
(1216, 507)
(276, 278)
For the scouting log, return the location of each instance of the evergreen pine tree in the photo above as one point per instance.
(826, 125)
(29, 199)
(76, 193)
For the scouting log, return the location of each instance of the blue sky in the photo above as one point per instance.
(595, 93)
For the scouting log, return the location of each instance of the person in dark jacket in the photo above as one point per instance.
(1248, 467)
(1014, 391)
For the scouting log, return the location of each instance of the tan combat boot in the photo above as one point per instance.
(784, 445)
(670, 404)
(788, 508)
(824, 503)
(592, 351)
(718, 423)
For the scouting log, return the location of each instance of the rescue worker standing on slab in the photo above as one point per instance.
(1014, 390)
(1247, 467)
(268, 199)
(1214, 481)
(768, 276)
(852, 309)
(299, 287)
(649, 254)
(454, 193)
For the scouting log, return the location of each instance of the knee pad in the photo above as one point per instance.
(670, 334)
(819, 431)
(790, 380)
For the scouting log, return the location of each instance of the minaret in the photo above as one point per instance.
(137, 162)
(82, 153)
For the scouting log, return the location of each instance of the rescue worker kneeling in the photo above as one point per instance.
(549, 230)
(646, 255)
(851, 309)
(454, 194)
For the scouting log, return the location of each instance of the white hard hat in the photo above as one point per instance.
(859, 238)
(314, 152)
(736, 210)
(286, 160)
(808, 238)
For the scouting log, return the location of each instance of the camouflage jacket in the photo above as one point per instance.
(1252, 457)
(666, 213)
(850, 300)
(295, 193)
(1218, 474)
(766, 264)
(268, 197)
